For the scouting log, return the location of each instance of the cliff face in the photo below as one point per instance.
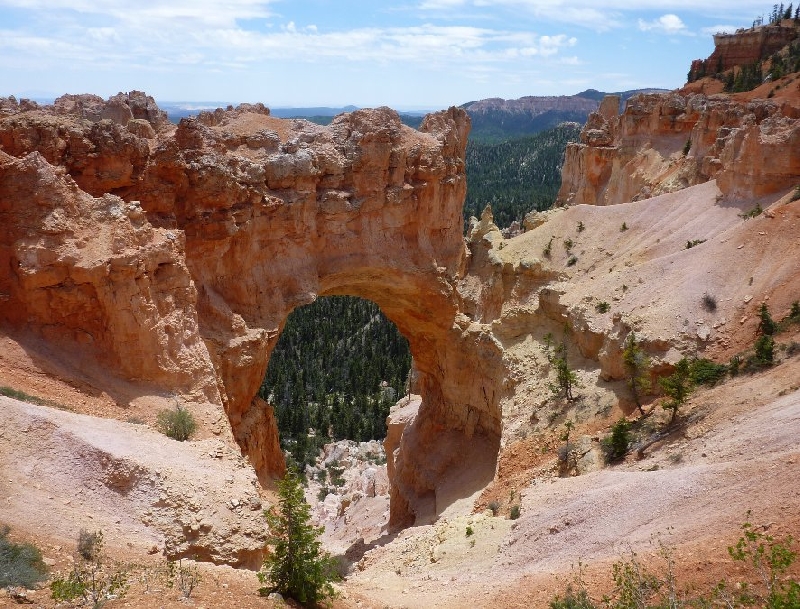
(666, 142)
(217, 229)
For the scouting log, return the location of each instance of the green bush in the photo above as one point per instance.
(177, 423)
(21, 564)
(602, 307)
(514, 513)
(616, 445)
(705, 372)
(677, 387)
(494, 505)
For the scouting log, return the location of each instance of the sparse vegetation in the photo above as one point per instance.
(616, 445)
(566, 379)
(470, 532)
(21, 564)
(568, 243)
(183, 577)
(295, 567)
(766, 583)
(753, 213)
(176, 423)
(16, 394)
(705, 372)
(548, 249)
(796, 194)
(602, 307)
(693, 243)
(766, 324)
(494, 506)
(514, 512)
(572, 260)
(624, 227)
(677, 387)
(92, 579)
(709, 302)
(637, 365)
(581, 227)
(687, 147)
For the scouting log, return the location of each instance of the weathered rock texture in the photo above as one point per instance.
(749, 46)
(665, 142)
(174, 255)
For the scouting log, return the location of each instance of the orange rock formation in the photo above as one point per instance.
(173, 255)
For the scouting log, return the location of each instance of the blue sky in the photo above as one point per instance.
(408, 54)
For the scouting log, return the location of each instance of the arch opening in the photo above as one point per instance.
(336, 369)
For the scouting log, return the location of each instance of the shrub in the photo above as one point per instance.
(571, 261)
(602, 307)
(753, 213)
(637, 365)
(766, 325)
(693, 242)
(616, 445)
(566, 379)
(296, 567)
(709, 303)
(568, 243)
(623, 228)
(494, 505)
(764, 351)
(91, 579)
(514, 513)
(734, 364)
(687, 147)
(185, 578)
(548, 249)
(796, 194)
(581, 227)
(178, 424)
(705, 372)
(677, 386)
(89, 544)
(470, 532)
(21, 564)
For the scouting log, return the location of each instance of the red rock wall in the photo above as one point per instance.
(641, 153)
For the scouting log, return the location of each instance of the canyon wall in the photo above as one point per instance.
(172, 255)
(665, 142)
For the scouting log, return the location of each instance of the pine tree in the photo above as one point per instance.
(637, 365)
(296, 567)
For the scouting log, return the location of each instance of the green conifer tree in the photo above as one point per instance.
(296, 567)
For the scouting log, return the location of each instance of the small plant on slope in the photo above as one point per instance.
(637, 365)
(178, 423)
(92, 578)
(677, 386)
(566, 379)
(21, 564)
(296, 567)
(616, 445)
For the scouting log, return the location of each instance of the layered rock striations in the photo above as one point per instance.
(663, 143)
(173, 255)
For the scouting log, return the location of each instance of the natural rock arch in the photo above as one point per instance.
(230, 221)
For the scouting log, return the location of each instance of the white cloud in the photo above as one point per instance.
(667, 24)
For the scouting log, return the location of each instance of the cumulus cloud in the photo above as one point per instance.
(667, 24)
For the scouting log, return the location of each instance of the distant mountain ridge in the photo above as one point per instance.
(495, 119)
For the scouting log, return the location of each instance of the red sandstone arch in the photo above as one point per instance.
(230, 221)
